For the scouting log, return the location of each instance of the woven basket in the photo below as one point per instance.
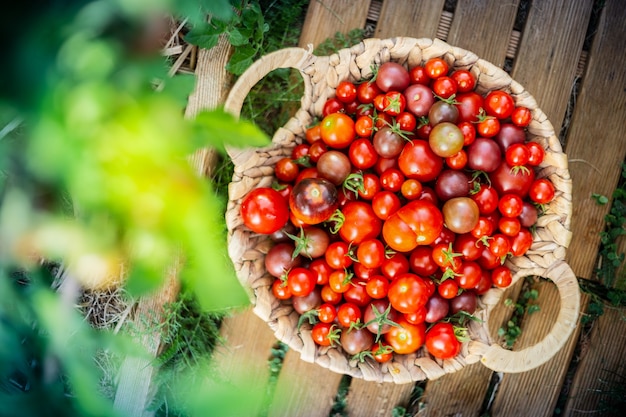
(254, 168)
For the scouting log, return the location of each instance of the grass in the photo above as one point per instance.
(190, 335)
(524, 305)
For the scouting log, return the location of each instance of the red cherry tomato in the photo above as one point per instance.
(441, 341)
(541, 191)
(436, 67)
(264, 210)
(337, 130)
(346, 92)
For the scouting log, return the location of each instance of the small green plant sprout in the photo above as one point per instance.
(524, 305)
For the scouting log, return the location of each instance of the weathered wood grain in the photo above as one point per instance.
(242, 360)
(417, 19)
(599, 378)
(304, 389)
(324, 18)
(549, 52)
(535, 392)
(376, 399)
(557, 56)
(596, 144)
(463, 391)
(483, 27)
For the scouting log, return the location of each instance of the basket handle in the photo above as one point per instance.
(499, 359)
(283, 58)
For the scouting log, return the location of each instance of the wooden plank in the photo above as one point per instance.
(549, 52)
(242, 360)
(212, 87)
(417, 19)
(600, 374)
(483, 27)
(558, 56)
(134, 390)
(376, 399)
(461, 392)
(597, 163)
(535, 392)
(595, 144)
(324, 18)
(304, 389)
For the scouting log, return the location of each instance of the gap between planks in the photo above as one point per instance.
(443, 28)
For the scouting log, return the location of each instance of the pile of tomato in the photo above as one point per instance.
(399, 208)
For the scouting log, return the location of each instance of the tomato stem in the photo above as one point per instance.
(337, 218)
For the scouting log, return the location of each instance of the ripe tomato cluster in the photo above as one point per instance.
(399, 208)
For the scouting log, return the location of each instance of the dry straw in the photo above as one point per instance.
(254, 168)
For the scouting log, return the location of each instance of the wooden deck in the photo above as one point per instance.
(549, 55)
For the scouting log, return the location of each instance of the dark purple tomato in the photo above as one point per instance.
(437, 308)
(452, 183)
(529, 214)
(334, 166)
(466, 301)
(381, 324)
(314, 242)
(392, 77)
(484, 155)
(508, 135)
(356, 340)
(279, 259)
(419, 99)
(388, 143)
(308, 302)
(313, 200)
(442, 111)
(281, 235)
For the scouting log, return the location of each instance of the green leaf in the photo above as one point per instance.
(238, 37)
(600, 199)
(533, 308)
(220, 9)
(217, 128)
(204, 36)
(252, 16)
(197, 11)
(179, 87)
(241, 59)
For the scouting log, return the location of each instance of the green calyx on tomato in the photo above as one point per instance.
(310, 317)
(354, 182)
(419, 189)
(380, 320)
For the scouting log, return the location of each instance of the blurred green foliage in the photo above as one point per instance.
(95, 174)
(104, 137)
